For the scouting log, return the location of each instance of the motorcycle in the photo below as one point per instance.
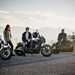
(5, 50)
(64, 46)
(38, 48)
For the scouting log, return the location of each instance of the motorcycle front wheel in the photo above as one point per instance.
(6, 53)
(19, 51)
(46, 50)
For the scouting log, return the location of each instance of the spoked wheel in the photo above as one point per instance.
(46, 50)
(6, 54)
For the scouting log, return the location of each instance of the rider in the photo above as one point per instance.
(62, 36)
(36, 36)
(26, 37)
(7, 36)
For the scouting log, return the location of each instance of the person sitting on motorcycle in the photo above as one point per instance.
(36, 36)
(62, 36)
(26, 37)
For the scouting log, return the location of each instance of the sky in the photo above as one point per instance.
(49, 16)
(38, 13)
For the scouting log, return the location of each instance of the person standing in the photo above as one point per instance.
(8, 36)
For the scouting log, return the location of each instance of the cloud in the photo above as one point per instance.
(4, 12)
(36, 19)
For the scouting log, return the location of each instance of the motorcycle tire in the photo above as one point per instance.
(6, 53)
(19, 51)
(46, 50)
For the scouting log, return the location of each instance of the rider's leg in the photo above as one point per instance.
(28, 45)
(10, 43)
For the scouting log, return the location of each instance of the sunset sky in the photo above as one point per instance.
(38, 13)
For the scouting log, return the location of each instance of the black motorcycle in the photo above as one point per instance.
(5, 50)
(35, 48)
(63, 46)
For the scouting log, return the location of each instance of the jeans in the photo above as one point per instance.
(11, 45)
